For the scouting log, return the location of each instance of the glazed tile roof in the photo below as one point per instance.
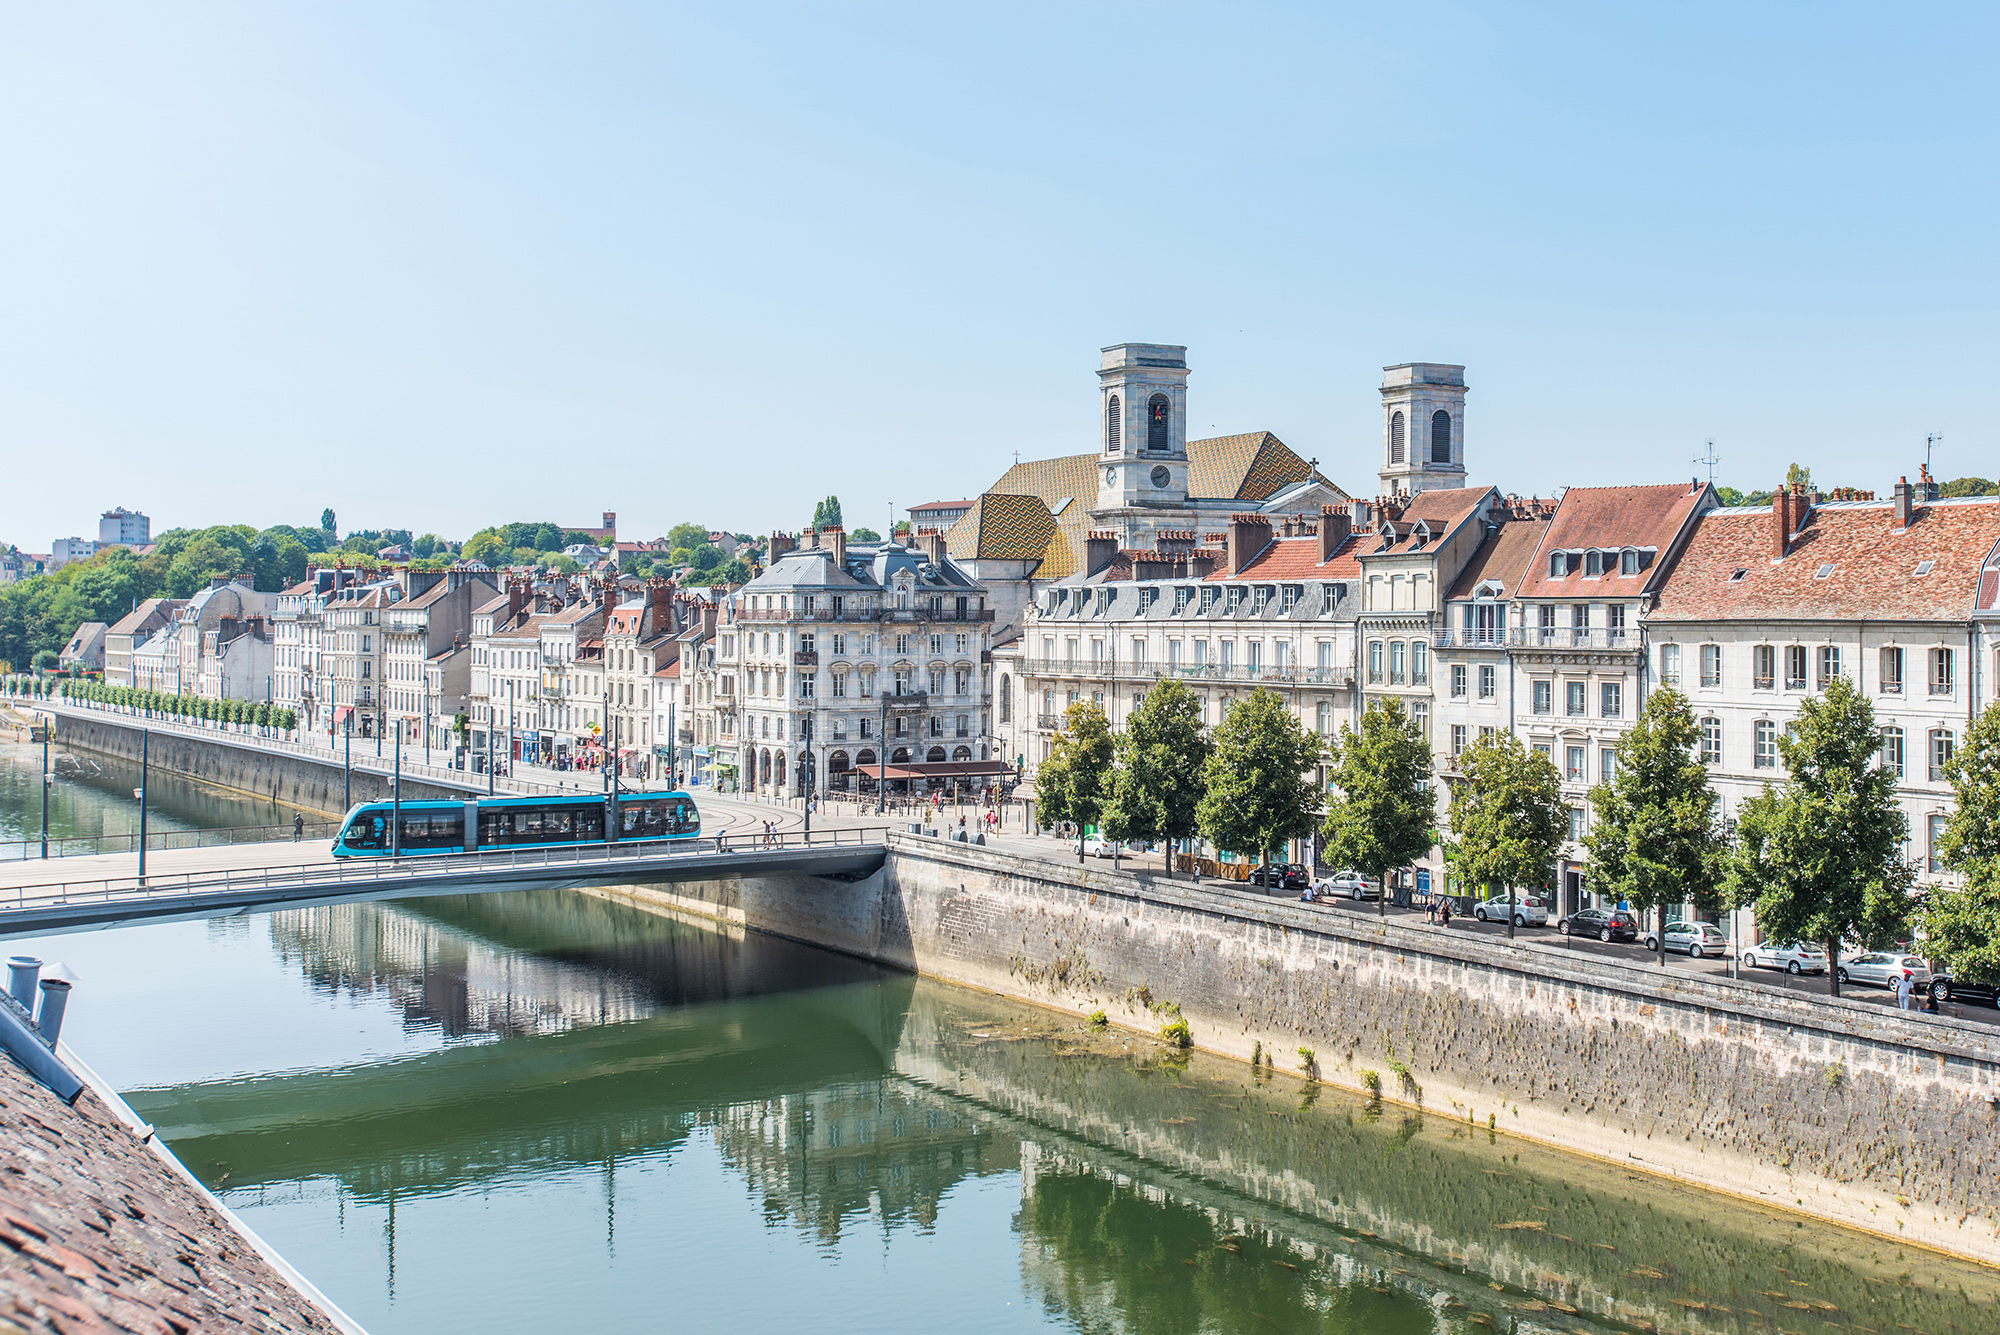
(1504, 556)
(1609, 519)
(1003, 527)
(1873, 575)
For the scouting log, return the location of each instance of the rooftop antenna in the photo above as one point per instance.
(1710, 460)
(1930, 442)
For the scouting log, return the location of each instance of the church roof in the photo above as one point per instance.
(1250, 467)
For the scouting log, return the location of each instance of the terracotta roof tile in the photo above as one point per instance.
(1609, 519)
(1298, 558)
(1505, 555)
(1874, 565)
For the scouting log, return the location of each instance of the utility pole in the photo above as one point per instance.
(882, 755)
(396, 800)
(489, 741)
(145, 745)
(347, 767)
(46, 725)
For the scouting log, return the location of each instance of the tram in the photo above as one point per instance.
(515, 822)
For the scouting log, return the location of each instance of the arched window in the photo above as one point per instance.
(900, 756)
(934, 756)
(864, 759)
(961, 753)
(1157, 412)
(1112, 427)
(837, 762)
(1440, 437)
(1006, 699)
(1395, 438)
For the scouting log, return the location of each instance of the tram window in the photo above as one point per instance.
(366, 832)
(686, 818)
(433, 829)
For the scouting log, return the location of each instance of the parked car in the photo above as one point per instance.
(1527, 910)
(1604, 924)
(1693, 939)
(1281, 876)
(1098, 846)
(1350, 884)
(1791, 956)
(1883, 968)
(1946, 987)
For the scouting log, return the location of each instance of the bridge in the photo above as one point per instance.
(206, 883)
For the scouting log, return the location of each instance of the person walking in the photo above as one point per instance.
(1444, 914)
(1903, 990)
(298, 827)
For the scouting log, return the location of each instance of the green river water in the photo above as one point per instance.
(554, 1110)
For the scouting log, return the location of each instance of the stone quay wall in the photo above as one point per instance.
(1877, 1119)
(295, 780)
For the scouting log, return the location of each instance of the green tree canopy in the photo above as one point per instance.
(1163, 755)
(1819, 855)
(1656, 841)
(485, 546)
(827, 513)
(1261, 792)
(326, 520)
(689, 536)
(1961, 926)
(425, 545)
(865, 534)
(1382, 814)
(1967, 486)
(1508, 818)
(1074, 783)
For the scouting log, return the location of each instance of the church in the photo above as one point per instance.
(1147, 486)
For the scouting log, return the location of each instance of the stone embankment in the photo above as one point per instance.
(98, 1232)
(1881, 1120)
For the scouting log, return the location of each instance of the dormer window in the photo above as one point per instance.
(1182, 597)
(1593, 563)
(1628, 561)
(1263, 596)
(1209, 598)
(1292, 595)
(1558, 565)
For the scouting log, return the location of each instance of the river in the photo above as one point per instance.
(554, 1110)
(92, 796)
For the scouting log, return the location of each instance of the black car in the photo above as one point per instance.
(1281, 876)
(1604, 924)
(1945, 988)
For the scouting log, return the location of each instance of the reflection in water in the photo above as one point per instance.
(756, 1116)
(92, 795)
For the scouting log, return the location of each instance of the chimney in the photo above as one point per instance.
(1201, 564)
(780, 544)
(1334, 526)
(931, 542)
(834, 538)
(1782, 509)
(1359, 516)
(517, 597)
(661, 595)
(1099, 550)
(1249, 534)
(1905, 510)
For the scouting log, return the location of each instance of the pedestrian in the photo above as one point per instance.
(1444, 914)
(1430, 910)
(298, 827)
(1903, 990)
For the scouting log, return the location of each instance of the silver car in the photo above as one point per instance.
(1883, 968)
(1527, 910)
(1791, 956)
(1693, 939)
(1351, 884)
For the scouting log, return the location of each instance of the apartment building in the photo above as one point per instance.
(844, 659)
(572, 717)
(1255, 607)
(1769, 604)
(433, 614)
(132, 631)
(447, 694)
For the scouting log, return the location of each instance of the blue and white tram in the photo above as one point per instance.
(515, 822)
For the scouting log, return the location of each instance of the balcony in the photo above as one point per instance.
(1333, 678)
(1048, 722)
(1538, 637)
(806, 658)
(910, 702)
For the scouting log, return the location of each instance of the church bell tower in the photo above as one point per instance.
(1142, 427)
(1423, 427)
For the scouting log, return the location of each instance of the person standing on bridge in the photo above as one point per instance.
(298, 827)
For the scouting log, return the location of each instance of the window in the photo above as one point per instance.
(1325, 725)
(1614, 620)
(840, 684)
(1892, 749)
(1764, 666)
(1440, 437)
(806, 680)
(1542, 749)
(1670, 665)
(1112, 426)
(1575, 693)
(1579, 617)
(1711, 665)
(1006, 698)
(1374, 659)
(1458, 681)
(1544, 697)
(1420, 663)
(1795, 667)
(1935, 829)
(1576, 825)
(1593, 562)
(1628, 562)
(1607, 763)
(1395, 438)
(1711, 741)
(1548, 623)
(1940, 672)
(1457, 738)
(1829, 664)
(1573, 764)
(1396, 651)
(1420, 714)
(1892, 670)
(1159, 413)
(1610, 699)
(1765, 752)
(1253, 654)
(1943, 745)
(1488, 677)
(1138, 653)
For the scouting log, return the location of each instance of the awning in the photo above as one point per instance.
(342, 712)
(948, 769)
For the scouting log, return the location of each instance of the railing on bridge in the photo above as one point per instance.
(84, 845)
(337, 874)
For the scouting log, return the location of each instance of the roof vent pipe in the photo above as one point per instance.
(22, 971)
(55, 1000)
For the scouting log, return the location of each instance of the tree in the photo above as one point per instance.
(1384, 815)
(425, 545)
(689, 536)
(827, 513)
(1819, 855)
(1967, 486)
(1798, 479)
(865, 535)
(484, 546)
(326, 521)
(1074, 783)
(734, 573)
(1260, 791)
(1162, 755)
(1961, 927)
(1655, 842)
(1508, 818)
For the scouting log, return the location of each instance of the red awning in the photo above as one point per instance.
(341, 712)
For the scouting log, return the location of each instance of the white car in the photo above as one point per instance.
(1527, 910)
(1693, 939)
(1882, 968)
(1098, 846)
(1791, 956)
(1347, 884)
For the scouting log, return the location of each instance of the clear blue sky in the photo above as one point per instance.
(445, 265)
